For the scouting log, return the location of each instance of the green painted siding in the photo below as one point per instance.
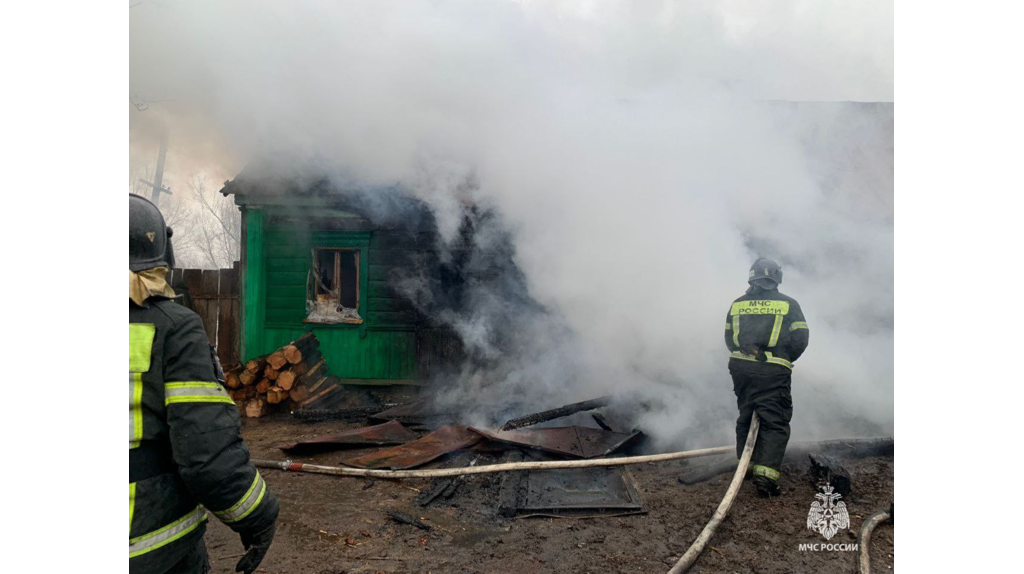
(278, 260)
(378, 355)
(255, 285)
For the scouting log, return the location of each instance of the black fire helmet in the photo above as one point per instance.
(149, 238)
(765, 268)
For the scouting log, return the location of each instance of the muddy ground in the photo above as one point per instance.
(331, 525)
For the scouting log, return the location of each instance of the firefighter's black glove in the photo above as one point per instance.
(256, 545)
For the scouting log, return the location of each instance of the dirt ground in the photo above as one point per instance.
(333, 525)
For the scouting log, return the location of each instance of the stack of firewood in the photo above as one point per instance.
(288, 375)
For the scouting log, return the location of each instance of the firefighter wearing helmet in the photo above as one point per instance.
(185, 453)
(766, 333)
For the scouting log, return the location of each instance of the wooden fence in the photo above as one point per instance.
(213, 294)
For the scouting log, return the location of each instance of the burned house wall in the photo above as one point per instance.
(393, 342)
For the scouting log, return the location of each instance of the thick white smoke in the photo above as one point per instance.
(636, 152)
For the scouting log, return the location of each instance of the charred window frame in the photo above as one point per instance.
(333, 286)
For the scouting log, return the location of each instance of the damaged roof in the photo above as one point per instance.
(332, 192)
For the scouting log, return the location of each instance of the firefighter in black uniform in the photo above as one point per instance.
(185, 454)
(766, 333)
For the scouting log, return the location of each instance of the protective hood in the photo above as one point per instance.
(148, 283)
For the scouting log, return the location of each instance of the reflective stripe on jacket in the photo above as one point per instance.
(764, 326)
(185, 453)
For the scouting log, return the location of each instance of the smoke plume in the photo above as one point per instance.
(632, 160)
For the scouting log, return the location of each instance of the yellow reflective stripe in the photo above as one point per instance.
(140, 346)
(761, 470)
(760, 307)
(140, 351)
(776, 329)
(728, 326)
(195, 392)
(770, 358)
(736, 330)
(131, 505)
(193, 385)
(198, 399)
(798, 325)
(167, 534)
(777, 360)
(134, 409)
(245, 505)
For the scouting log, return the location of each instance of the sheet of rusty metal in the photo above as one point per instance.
(391, 432)
(418, 452)
(581, 492)
(581, 442)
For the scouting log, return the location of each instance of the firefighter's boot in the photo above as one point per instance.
(766, 487)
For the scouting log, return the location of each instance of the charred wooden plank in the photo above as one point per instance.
(513, 484)
(346, 415)
(405, 518)
(556, 413)
(438, 486)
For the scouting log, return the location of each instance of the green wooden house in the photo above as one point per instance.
(335, 261)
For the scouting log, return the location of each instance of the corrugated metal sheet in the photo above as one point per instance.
(418, 452)
(581, 442)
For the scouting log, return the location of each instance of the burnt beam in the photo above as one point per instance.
(558, 413)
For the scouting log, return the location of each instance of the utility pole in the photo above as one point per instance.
(158, 183)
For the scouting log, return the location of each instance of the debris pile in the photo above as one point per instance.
(572, 492)
(295, 374)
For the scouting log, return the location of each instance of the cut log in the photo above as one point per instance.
(309, 360)
(292, 354)
(286, 380)
(247, 377)
(304, 340)
(323, 392)
(276, 395)
(242, 394)
(826, 471)
(277, 360)
(263, 386)
(231, 380)
(314, 374)
(299, 394)
(271, 373)
(256, 408)
(295, 352)
(255, 366)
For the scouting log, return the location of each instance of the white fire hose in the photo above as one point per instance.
(865, 538)
(687, 560)
(487, 468)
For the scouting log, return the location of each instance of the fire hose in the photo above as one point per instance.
(865, 538)
(487, 468)
(687, 559)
